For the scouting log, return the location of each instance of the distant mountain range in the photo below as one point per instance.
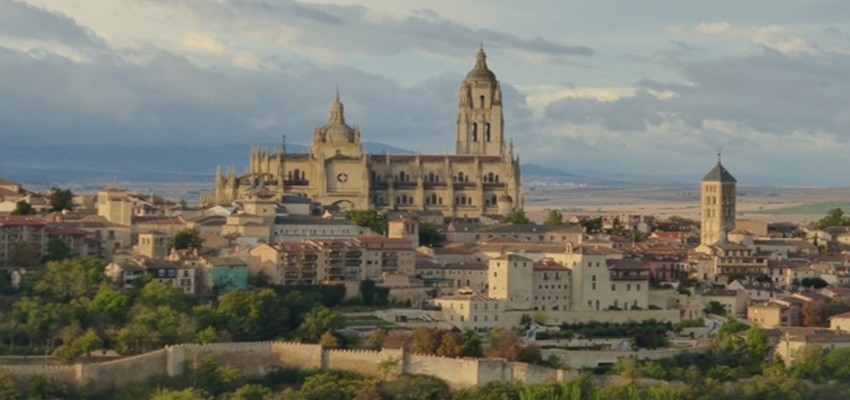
(60, 165)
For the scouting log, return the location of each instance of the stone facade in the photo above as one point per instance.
(717, 205)
(482, 177)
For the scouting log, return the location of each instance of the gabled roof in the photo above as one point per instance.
(719, 174)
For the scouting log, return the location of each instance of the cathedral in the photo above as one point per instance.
(482, 177)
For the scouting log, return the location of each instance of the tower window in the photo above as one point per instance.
(481, 101)
(487, 132)
(473, 133)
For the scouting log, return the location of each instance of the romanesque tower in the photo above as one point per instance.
(479, 112)
(717, 205)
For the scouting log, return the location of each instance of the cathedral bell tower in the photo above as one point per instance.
(717, 205)
(479, 112)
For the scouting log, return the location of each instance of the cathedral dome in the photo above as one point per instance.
(480, 72)
(336, 131)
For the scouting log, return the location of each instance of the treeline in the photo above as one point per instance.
(69, 308)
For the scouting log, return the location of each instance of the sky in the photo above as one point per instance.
(619, 86)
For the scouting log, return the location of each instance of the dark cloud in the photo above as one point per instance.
(22, 21)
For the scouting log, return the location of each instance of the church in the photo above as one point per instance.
(481, 178)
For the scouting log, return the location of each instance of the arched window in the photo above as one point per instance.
(472, 129)
(490, 200)
(289, 175)
(297, 174)
(481, 101)
(487, 132)
(460, 176)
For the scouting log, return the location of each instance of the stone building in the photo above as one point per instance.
(482, 177)
(717, 205)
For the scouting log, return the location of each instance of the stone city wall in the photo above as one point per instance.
(259, 358)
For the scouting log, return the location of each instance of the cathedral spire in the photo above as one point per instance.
(337, 110)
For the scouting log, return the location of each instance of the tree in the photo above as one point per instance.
(471, 345)
(371, 294)
(23, 208)
(61, 199)
(757, 344)
(252, 315)
(376, 339)
(371, 219)
(22, 254)
(187, 239)
(517, 217)
(449, 345)
(554, 218)
(834, 217)
(416, 386)
(185, 394)
(251, 391)
(328, 340)
(423, 341)
(815, 313)
(502, 343)
(318, 321)
(110, 307)
(78, 346)
(591, 225)
(813, 282)
(57, 250)
(429, 235)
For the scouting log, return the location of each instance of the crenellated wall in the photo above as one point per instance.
(259, 358)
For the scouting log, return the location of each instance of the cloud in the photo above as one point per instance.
(773, 37)
(38, 31)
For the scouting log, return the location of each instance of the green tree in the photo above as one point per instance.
(318, 321)
(517, 216)
(371, 294)
(78, 346)
(834, 217)
(7, 387)
(471, 345)
(251, 391)
(61, 199)
(429, 235)
(416, 386)
(371, 219)
(757, 344)
(22, 254)
(57, 250)
(591, 225)
(110, 307)
(215, 378)
(554, 218)
(23, 208)
(155, 294)
(187, 239)
(252, 315)
(185, 394)
(69, 279)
